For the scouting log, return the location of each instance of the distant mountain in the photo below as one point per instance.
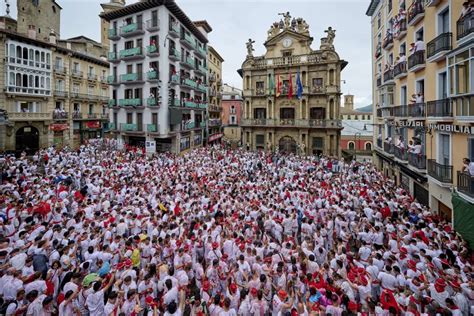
(367, 108)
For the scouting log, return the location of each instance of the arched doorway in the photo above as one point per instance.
(287, 145)
(27, 139)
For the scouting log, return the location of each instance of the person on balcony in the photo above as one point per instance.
(466, 9)
(402, 58)
(419, 45)
(468, 167)
(412, 48)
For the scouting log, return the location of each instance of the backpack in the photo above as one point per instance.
(4, 307)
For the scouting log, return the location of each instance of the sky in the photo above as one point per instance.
(235, 21)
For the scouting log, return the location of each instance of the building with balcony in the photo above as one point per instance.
(158, 76)
(275, 115)
(424, 110)
(215, 95)
(232, 104)
(44, 82)
(356, 137)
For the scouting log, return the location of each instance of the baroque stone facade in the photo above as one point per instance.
(276, 115)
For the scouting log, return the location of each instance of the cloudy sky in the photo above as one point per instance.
(235, 21)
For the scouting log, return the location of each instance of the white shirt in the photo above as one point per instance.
(95, 303)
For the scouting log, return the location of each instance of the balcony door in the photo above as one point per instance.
(317, 113)
(444, 149)
(140, 121)
(442, 85)
(443, 22)
(260, 113)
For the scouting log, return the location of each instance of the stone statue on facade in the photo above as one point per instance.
(287, 19)
(250, 49)
(274, 30)
(293, 24)
(301, 26)
(331, 35)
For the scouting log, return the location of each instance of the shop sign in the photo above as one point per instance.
(58, 127)
(93, 124)
(461, 129)
(214, 137)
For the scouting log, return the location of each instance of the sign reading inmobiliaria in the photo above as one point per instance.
(449, 128)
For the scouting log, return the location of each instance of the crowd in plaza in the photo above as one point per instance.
(219, 232)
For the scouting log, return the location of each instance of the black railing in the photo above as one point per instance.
(402, 28)
(400, 153)
(379, 81)
(400, 68)
(466, 183)
(441, 43)
(417, 160)
(388, 148)
(60, 115)
(465, 25)
(400, 111)
(442, 173)
(416, 8)
(387, 41)
(415, 59)
(388, 75)
(417, 110)
(440, 108)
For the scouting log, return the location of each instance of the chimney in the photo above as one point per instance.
(52, 37)
(32, 31)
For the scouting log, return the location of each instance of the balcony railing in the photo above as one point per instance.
(128, 127)
(112, 102)
(465, 26)
(379, 143)
(440, 44)
(131, 52)
(440, 108)
(152, 50)
(91, 76)
(416, 12)
(416, 59)
(153, 75)
(60, 93)
(134, 77)
(60, 115)
(387, 42)
(400, 69)
(112, 79)
(189, 83)
(77, 73)
(400, 111)
(188, 62)
(417, 160)
(131, 29)
(417, 110)
(388, 76)
(174, 29)
(152, 128)
(174, 79)
(59, 69)
(174, 54)
(318, 123)
(400, 153)
(401, 29)
(466, 183)
(152, 101)
(188, 40)
(113, 34)
(388, 148)
(130, 102)
(442, 173)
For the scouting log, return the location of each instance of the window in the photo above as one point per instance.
(379, 20)
(129, 118)
(76, 67)
(403, 95)
(368, 146)
(419, 35)
(470, 150)
(420, 86)
(260, 88)
(260, 139)
(286, 53)
(232, 119)
(260, 113)
(232, 109)
(91, 108)
(442, 85)
(403, 48)
(444, 149)
(443, 21)
(317, 82)
(91, 70)
(317, 113)
(350, 146)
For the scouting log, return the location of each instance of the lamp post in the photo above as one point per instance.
(356, 144)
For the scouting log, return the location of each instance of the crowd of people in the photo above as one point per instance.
(100, 231)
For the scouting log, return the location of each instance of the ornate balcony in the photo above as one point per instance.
(153, 75)
(131, 53)
(417, 161)
(466, 184)
(131, 29)
(400, 111)
(29, 116)
(59, 70)
(442, 173)
(77, 74)
(152, 50)
(311, 123)
(130, 102)
(174, 29)
(465, 28)
(440, 109)
(400, 70)
(174, 54)
(416, 12)
(113, 34)
(131, 78)
(60, 94)
(416, 61)
(91, 77)
(437, 49)
(417, 110)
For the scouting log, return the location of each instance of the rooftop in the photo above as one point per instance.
(352, 127)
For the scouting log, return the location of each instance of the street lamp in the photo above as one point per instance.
(356, 144)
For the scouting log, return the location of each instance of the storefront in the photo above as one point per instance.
(197, 140)
(214, 139)
(185, 142)
(58, 133)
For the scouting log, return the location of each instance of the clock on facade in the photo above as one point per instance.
(287, 42)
